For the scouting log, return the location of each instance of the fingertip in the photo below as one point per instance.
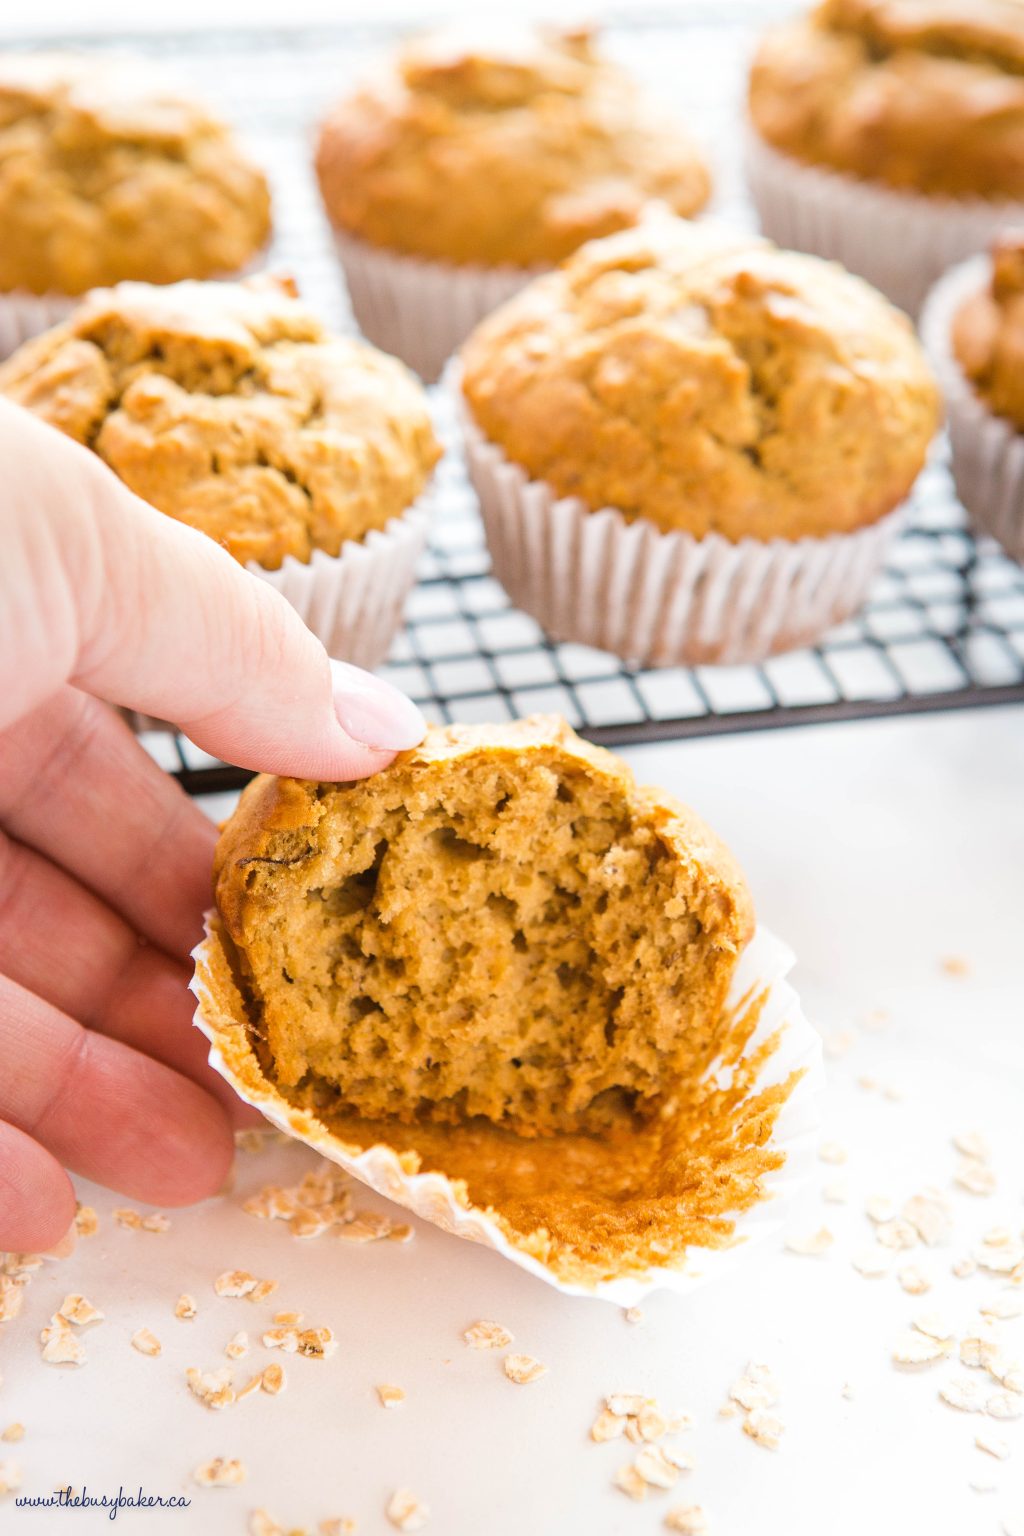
(37, 1199)
(373, 713)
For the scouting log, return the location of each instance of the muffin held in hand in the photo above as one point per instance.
(228, 406)
(500, 961)
(890, 134)
(473, 160)
(973, 325)
(687, 443)
(107, 175)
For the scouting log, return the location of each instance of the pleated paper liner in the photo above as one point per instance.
(901, 242)
(663, 599)
(419, 310)
(987, 450)
(674, 1206)
(24, 315)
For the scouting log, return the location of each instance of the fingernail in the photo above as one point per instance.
(372, 712)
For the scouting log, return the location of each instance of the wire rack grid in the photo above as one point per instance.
(944, 624)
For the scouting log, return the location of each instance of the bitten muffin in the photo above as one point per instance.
(228, 406)
(500, 924)
(480, 159)
(920, 100)
(988, 334)
(107, 175)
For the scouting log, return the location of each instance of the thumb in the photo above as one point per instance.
(103, 591)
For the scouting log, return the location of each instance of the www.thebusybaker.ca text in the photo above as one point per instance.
(67, 1498)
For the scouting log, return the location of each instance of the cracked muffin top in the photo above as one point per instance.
(227, 406)
(922, 95)
(988, 334)
(708, 382)
(511, 149)
(107, 175)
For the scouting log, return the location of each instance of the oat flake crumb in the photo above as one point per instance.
(87, 1223)
(977, 1178)
(633, 1315)
(185, 1306)
(629, 1481)
(61, 1346)
(931, 1215)
(983, 1482)
(994, 1445)
(1005, 1305)
(235, 1282)
(146, 1342)
(872, 1262)
(934, 1326)
(973, 1144)
(220, 1473)
(687, 1520)
(607, 1426)
(756, 1388)
(963, 1393)
(658, 1469)
(964, 1268)
(832, 1152)
(273, 1380)
(13, 1432)
(214, 1389)
(237, 1346)
(405, 1511)
(78, 1309)
(523, 1369)
(811, 1246)
(125, 1217)
(913, 1281)
(918, 1349)
(764, 1428)
(1005, 1405)
(487, 1334)
(390, 1397)
(836, 1192)
(879, 1208)
(10, 1477)
(955, 965)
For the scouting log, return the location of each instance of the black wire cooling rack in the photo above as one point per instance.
(944, 626)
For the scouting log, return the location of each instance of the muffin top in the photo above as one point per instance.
(513, 149)
(988, 333)
(105, 175)
(707, 382)
(227, 406)
(922, 95)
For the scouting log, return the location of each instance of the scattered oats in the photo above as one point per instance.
(728, 1411)
(237, 1346)
(250, 1141)
(127, 1218)
(185, 1306)
(973, 1145)
(687, 1520)
(872, 1262)
(978, 1349)
(364, 1228)
(523, 1369)
(964, 1393)
(633, 1315)
(607, 1426)
(157, 1222)
(633, 1432)
(659, 1469)
(651, 1422)
(10, 1477)
(235, 1282)
(964, 1268)
(261, 1524)
(879, 1208)
(61, 1346)
(314, 1343)
(77, 1309)
(918, 1349)
(390, 1397)
(933, 1326)
(405, 1511)
(756, 1388)
(213, 1388)
(913, 1281)
(219, 1473)
(273, 1380)
(931, 1216)
(1005, 1405)
(868, 1083)
(252, 1385)
(994, 1445)
(983, 1482)
(998, 1236)
(1005, 1305)
(87, 1223)
(1008, 1373)
(836, 1191)
(13, 1432)
(628, 1404)
(817, 1243)
(894, 1094)
(402, 1233)
(764, 1428)
(262, 1289)
(897, 1233)
(146, 1342)
(977, 1178)
(839, 1042)
(310, 1223)
(337, 1527)
(999, 1258)
(288, 1319)
(487, 1335)
(12, 1294)
(847, 1391)
(955, 965)
(832, 1152)
(628, 1479)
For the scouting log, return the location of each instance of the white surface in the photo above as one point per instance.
(875, 850)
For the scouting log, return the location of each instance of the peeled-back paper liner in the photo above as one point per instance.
(24, 315)
(761, 972)
(988, 451)
(352, 601)
(663, 599)
(421, 311)
(899, 241)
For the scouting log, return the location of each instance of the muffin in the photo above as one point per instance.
(500, 961)
(973, 326)
(228, 407)
(471, 162)
(890, 134)
(108, 175)
(690, 446)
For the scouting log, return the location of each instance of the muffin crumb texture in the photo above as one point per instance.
(988, 334)
(921, 95)
(227, 406)
(106, 175)
(507, 148)
(707, 382)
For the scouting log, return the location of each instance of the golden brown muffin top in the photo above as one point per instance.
(988, 333)
(707, 382)
(512, 149)
(106, 175)
(227, 406)
(922, 95)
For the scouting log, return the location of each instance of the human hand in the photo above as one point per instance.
(104, 861)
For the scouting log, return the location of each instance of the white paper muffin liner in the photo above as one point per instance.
(421, 311)
(24, 315)
(899, 241)
(763, 966)
(987, 450)
(663, 599)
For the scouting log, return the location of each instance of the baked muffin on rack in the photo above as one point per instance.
(472, 160)
(229, 407)
(108, 174)
(890, 134)
(689, 445)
